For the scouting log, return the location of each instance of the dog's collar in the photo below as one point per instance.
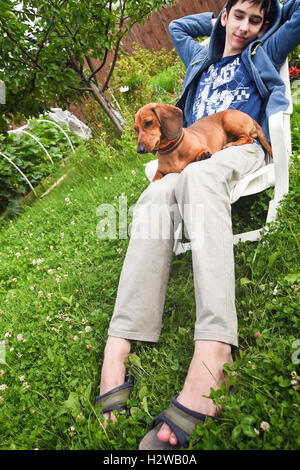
(171, 145)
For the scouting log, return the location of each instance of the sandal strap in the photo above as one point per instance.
(116, 398)
(181, 420)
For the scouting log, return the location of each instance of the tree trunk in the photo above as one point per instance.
(113, 114)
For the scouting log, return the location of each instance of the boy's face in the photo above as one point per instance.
(244, 23)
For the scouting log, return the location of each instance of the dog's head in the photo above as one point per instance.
(156, 124)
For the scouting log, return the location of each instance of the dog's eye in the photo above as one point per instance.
(148, 124)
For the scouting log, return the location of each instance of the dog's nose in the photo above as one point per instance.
(141, 148)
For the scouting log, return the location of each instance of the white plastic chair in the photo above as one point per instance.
(275, 174)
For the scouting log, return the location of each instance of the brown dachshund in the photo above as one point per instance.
(159, 128)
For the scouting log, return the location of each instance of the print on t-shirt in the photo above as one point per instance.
(226, 85)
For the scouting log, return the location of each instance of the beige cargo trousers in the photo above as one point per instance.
(200, 194)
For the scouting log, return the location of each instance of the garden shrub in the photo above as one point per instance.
(31, 159)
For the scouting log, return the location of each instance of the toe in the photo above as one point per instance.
(165, 434)
(173, 439)
(109, 417)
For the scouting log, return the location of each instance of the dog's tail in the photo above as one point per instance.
(262, 138)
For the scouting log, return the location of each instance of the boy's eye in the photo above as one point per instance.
(148, 124)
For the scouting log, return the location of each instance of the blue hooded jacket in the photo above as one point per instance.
(262, 58)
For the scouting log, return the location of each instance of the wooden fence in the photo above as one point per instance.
(154, 34)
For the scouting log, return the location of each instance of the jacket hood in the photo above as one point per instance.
(217, 40)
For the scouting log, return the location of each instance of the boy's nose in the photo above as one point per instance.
(244, 25)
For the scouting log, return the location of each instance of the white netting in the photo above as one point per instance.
(71, 122)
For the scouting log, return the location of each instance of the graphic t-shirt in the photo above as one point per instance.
(226, 85)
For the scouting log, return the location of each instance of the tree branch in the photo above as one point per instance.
(22, 48)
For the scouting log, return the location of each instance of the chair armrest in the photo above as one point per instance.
(150, 169)
(280, 138)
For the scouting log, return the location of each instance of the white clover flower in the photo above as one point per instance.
(81, 416)
(18, 254)
(88, 329)
(265, 426)
(3, 387)
(26, 386)
(22, 378)
(2, 372)
(7, 335)
(71, 431)
(124, 89)
(50, 271)
(133, 172)
(20, 337)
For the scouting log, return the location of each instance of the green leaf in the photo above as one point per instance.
(272, 258)
(143, 392)
(135, 360)
(50, 354)
(72, 404)
(244, 281)
(247, 420)
(236, 433)
(68, 300)
(292, 278)
(248, 430)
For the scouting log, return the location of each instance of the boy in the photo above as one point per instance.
(249, 41)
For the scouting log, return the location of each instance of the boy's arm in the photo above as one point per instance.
(184, 30)
(287, 37)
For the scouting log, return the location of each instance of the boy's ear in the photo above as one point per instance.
(264, 28)
(224, 17)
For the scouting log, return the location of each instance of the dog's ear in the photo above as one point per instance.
(170, 119)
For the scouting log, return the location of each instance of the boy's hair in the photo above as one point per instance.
(265, 5)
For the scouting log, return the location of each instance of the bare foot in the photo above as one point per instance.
(113, 369)
(205, 372)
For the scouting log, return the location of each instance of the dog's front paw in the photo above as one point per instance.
(204, 156)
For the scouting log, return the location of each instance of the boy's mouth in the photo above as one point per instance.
(240, 38)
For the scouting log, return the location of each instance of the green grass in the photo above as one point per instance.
(66, 279)
(58, 283)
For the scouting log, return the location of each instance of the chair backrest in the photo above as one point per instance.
(284, 74)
